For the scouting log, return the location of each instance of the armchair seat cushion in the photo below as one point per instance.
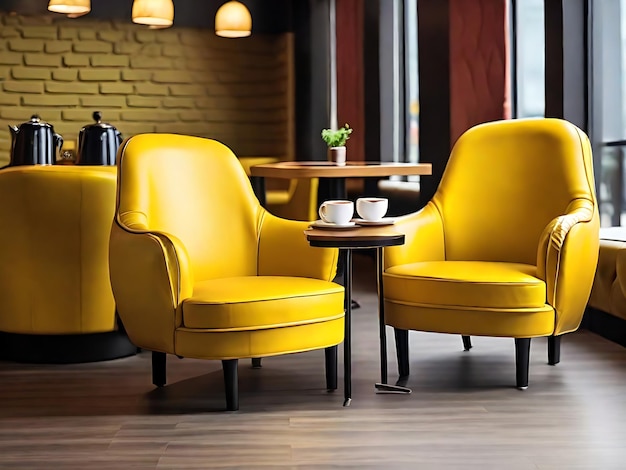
(259, 302)
(478, 285)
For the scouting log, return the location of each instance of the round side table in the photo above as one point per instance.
(354, 239)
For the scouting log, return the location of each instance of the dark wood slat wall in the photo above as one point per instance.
(371, 79)
(350, 74)
(311, 48)
(566, 61)
(434, 88)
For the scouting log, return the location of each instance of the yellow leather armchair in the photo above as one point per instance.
(56, 302)
(199, 269)
(508, 245)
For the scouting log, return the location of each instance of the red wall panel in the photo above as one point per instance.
(479, 82)
(350, 71)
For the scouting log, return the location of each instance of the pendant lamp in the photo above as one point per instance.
(233, 20)
(159, 13)
(72, 8)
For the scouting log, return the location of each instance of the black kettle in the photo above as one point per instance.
(34, 143)
(98, 143)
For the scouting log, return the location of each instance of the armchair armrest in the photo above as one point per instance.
(424, 239)
(566, 259)
(284, 251)
(151, 274)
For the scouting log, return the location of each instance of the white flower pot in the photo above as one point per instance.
(337, 155)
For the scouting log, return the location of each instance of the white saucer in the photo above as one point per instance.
(383, 221)
(328, 225)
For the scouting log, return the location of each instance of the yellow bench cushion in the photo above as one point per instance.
(262, 302)
(609, 285)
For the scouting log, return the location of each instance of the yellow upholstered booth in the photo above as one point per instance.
(508, 245)
(608, 293)
(294, 199)
(56, 302)
(199, 269)
(297, 202)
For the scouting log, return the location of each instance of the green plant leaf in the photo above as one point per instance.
(336, 137)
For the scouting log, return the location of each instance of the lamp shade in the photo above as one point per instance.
(153, 12)
(233, 20)
(70, 7)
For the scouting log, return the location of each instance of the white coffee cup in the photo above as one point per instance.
(372, 208)
(337, 212)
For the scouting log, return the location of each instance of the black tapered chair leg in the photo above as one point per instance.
(554, 350)
(231, 383)
(256, 362)
(159, 368)
(467, 343)
(522, 362)
(402, 351)
(331, 367)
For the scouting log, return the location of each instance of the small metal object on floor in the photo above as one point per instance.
(388, 388)
(383, 386)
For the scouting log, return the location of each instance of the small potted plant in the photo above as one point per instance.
(336, 141)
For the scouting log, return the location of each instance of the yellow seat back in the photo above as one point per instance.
(171, 186)
(506, 181)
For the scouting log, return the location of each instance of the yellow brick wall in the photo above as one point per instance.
(179, 80)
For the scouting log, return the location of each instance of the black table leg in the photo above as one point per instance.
(382, 333)
(338, 188)
(383, 386)
(347, 343)
(258, 185)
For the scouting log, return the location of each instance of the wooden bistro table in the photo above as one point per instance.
(337, 174)
(347, 241)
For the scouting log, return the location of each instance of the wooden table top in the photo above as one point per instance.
(357, 237)
(324, 169)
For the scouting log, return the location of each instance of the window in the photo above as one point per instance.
(529, 39)
(399, 83)
(608, 62)
(411, 81)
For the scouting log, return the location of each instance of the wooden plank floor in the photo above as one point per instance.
(464, 412)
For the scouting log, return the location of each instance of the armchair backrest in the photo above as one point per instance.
(196, 190)
(505, 181)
